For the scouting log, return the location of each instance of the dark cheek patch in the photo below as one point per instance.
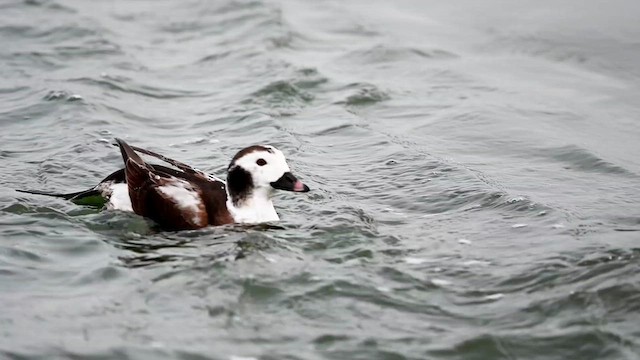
(239, 183)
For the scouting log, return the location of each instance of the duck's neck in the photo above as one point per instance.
(255, 208)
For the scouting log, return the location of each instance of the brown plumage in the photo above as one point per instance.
(177, 200)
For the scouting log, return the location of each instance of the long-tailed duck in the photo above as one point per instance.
(187, 198)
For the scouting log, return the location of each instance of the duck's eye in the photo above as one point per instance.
(261, 162)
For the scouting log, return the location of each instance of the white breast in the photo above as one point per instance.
(256, 209)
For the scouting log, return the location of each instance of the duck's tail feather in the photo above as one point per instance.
(91, 197)
(67, 196)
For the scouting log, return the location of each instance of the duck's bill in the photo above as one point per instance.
(289, 182)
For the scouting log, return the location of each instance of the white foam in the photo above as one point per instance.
(414, 261)
(476, 263)
(496, 296)
(440, 282)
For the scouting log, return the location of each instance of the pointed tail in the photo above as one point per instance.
(67, 196)
(91, 197)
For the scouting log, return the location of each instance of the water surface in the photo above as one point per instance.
(474, 168)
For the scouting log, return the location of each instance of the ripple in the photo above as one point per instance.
(21, 255)
(556, 346)
(580, 159)
(284, 97)
(363, 94)
(101, 276)
(49, 5)
(62, 96)
(309, 78)
(386, 54)
(129, 86)
(54, 34)
(282, 89)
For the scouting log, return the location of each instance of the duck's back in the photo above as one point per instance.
(174, 199)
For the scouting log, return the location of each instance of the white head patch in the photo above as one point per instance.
(265, 163)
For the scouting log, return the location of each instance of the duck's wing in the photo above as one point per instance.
(213, 189)
(171, 201)
(214, 194)
(187, 169)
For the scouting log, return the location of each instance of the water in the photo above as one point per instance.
(474, 168)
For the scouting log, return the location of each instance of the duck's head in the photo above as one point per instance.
(260, 168)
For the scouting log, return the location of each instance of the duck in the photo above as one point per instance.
(185, 198)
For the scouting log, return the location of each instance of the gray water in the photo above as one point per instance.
(474, 168)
